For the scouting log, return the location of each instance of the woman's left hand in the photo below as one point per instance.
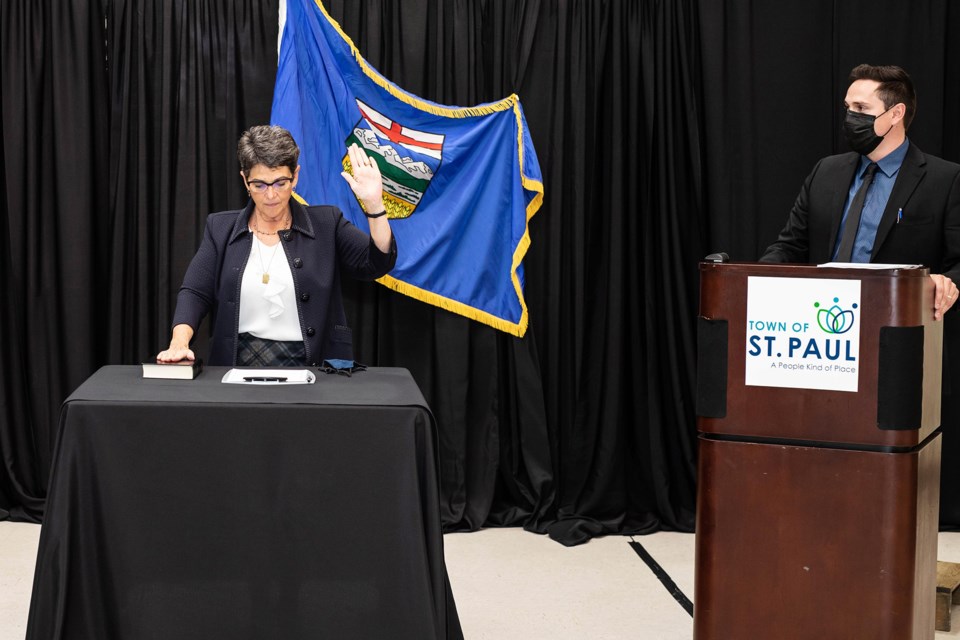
(365, 182)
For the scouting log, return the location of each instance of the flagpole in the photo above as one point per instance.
(281, 20)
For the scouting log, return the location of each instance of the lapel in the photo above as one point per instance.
(909, 176)
(301, 221)
(241, 225)
(838, 197)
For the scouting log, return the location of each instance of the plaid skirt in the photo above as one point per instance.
(259, 352)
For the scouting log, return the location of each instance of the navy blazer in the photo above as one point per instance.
(927, 190)
(319, 244)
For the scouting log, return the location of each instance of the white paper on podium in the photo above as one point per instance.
(269, 376)
(866, 265)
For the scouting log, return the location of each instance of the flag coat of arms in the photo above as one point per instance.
(460, 184)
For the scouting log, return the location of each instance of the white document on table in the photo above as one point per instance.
(269, 376)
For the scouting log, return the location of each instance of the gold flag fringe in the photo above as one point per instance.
(407, 289)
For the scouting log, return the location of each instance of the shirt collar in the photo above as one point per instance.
(888, 164)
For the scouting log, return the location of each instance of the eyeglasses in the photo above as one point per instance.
(279, 185)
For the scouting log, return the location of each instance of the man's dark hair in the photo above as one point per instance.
(895, 86)
(269, 145)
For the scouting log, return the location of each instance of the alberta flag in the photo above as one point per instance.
(460, 183)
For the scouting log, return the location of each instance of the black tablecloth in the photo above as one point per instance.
(195, 509)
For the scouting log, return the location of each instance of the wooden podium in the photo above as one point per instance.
(817, 508)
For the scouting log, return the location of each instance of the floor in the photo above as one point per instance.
(508, 584)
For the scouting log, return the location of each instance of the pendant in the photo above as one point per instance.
(266, 278)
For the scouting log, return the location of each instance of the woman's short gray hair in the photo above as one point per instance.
(269, 145)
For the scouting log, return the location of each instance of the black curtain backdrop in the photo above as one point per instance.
(55, 229)
(665, 130)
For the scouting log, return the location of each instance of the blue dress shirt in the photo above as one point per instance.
(875, 202)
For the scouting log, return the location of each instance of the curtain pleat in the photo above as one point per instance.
(54, 266)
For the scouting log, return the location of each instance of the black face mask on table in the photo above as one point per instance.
(858, 128)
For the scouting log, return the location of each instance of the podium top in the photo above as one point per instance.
(827, 270)
(834, 354)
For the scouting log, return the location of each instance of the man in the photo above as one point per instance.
(887, 202)
(911, 206)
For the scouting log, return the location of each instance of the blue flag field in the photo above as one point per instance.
(460, 183)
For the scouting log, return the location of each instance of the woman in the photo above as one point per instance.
(270, 273)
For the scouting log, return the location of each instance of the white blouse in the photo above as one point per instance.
(268, 309)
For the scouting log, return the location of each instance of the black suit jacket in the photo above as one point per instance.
(319, 246)
(927, 189)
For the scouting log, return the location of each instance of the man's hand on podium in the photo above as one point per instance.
(944, 295)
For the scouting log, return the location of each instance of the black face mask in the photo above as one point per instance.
(858, 128)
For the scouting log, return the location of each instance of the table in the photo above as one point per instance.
(195, 509)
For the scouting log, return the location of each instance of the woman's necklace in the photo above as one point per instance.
(270, 233)
(266, 270)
